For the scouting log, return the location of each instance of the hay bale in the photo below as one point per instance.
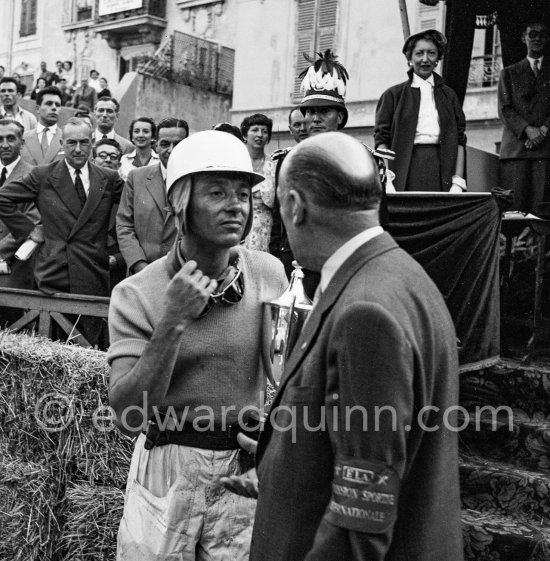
(49, 394)
(91, 518)
(28, 498)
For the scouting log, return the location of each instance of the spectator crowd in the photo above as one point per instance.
(81, 95)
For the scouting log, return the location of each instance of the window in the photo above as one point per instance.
(83, 10)
(315, 32)
(430, 17)
(28, 18)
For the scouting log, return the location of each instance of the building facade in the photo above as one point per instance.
(249, 51)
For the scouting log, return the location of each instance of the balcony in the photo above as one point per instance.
(484, 71)
(199, 63)
(138, 26)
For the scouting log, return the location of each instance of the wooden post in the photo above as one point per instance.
(404, 18)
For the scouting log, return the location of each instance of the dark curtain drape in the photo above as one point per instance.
(456, 239)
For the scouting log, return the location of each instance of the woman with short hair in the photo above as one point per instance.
(142, 134)
(256, 130)
(422, 121)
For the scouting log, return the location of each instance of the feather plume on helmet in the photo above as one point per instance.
(324, 83)
(325, 73)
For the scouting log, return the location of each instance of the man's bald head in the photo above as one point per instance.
(334, 171)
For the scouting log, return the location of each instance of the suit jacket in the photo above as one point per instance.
(32, 151)
(127, 146)
(395, 126)
(337, 483)
(73, 257)
(145, 230)
(85, 96)
(523, 99)
(21, 275)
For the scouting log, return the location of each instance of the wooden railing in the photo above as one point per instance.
(42, 311)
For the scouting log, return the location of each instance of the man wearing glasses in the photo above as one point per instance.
(146, 229)
(74, 197)
(186, 361)
(107, 153)
(523, 94)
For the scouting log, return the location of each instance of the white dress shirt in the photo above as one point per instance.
(50, 134)
(84, 175)
(98, 135)
(26, 118)
(340, 256)
(94, 84)
(427, 127)
(127, 163)
(10, 167)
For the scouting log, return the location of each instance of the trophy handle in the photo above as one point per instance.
(266, 347)
(288, 347)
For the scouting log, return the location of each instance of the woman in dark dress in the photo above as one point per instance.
(422, 121)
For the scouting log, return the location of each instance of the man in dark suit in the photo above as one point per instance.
(74, 197)
(85, 96)
(358, 459)
(14, 273)
(43, 144)
(146, 230)
(46, 74)
(107, 154)
(524, 108)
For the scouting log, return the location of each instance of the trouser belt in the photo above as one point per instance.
(216, 438)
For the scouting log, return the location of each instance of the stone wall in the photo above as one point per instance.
(142, 95)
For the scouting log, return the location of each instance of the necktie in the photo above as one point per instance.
(536, 66)
(3, 176)
(44, 142)
(80, 188)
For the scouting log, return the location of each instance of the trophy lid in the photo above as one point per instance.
(294, 296)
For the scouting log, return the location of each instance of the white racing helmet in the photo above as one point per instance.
(208, 151)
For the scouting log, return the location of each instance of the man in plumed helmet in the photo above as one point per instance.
(324, 109)
(324, 86)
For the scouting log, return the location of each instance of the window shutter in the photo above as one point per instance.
(28, 18)
(305, 39)
(327, 25)
(23, 26)
(430, 17)
(32, 18)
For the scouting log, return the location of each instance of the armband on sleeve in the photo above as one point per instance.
(364, 496)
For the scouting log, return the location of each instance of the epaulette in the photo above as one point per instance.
(281, 153)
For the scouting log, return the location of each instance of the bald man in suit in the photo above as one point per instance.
(357, 460)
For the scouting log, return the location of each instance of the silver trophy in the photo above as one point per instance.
(288, 314)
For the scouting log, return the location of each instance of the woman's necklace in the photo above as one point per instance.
(258, 164)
